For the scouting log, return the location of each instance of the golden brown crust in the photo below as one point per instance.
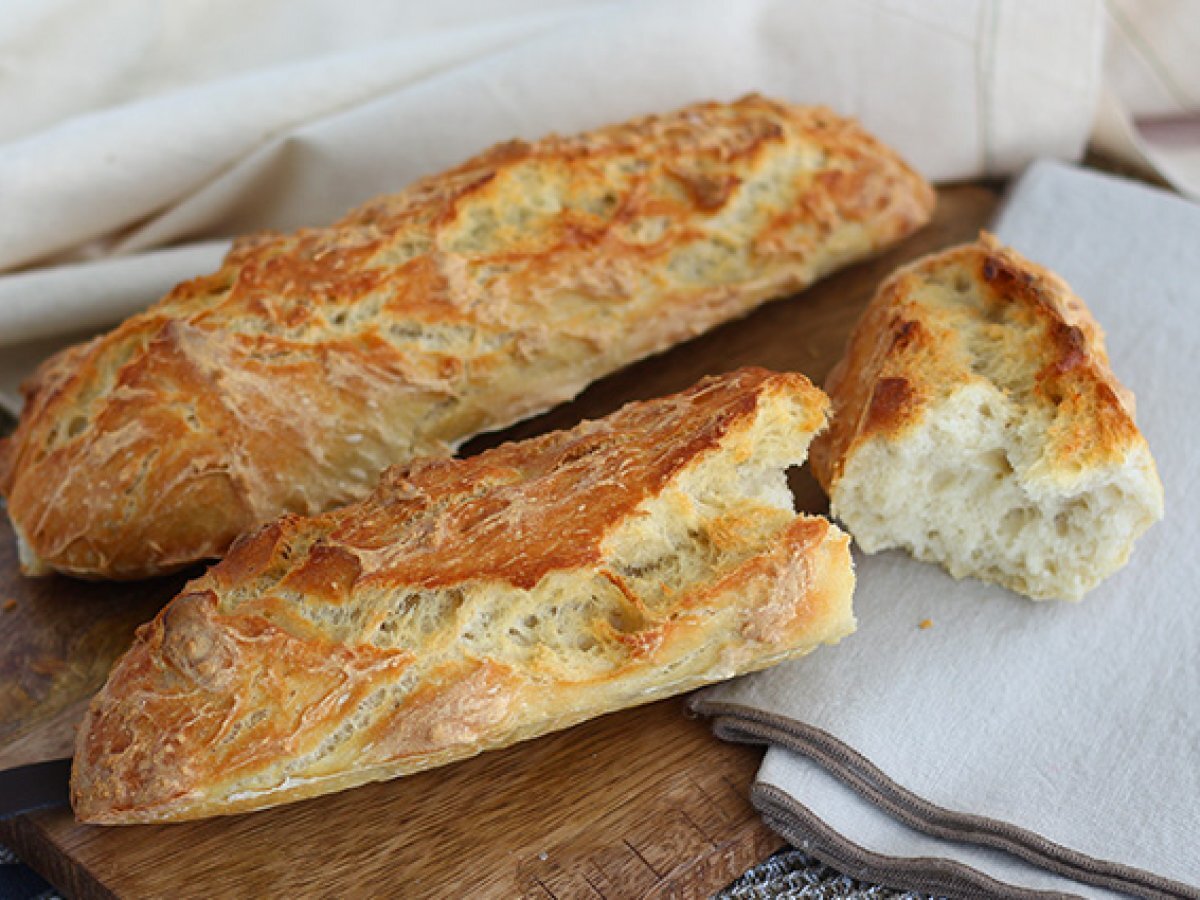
(909, 350)
(468, 604)
(288, 379)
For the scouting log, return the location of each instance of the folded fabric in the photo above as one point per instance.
(298, 143)
(897, 854)
(1149, 113)
(206, 121)
(1055, 736)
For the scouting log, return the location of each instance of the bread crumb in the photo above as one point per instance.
(925, 624)
(10, 604)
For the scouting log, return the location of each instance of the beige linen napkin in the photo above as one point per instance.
(136, 124)
(1016, 747)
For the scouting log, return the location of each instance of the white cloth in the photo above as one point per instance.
(1066, 733)
(137, 124)
(1149, 113)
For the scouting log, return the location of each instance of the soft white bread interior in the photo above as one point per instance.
(468, 604)
(977, 425)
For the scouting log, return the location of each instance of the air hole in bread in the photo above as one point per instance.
(996, 462)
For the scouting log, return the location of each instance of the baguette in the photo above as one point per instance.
(287, 380)
(978, 425)
(469, 604)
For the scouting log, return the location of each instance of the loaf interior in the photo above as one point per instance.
(964, 490)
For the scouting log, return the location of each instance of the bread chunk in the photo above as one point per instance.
(469, 604)
(288, 380)
(977, 425)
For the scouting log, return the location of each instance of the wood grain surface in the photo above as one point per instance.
(639, 803)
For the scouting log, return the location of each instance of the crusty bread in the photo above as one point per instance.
(977, 424)
(468, 604)
(286, 381)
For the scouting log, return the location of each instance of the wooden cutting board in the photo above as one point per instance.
(639, 803)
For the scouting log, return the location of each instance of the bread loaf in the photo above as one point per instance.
(977, 424)
(286, 381)
(468, 604)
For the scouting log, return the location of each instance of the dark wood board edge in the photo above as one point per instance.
(28, 839)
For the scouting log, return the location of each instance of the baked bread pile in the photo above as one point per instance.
(468, 604)
(462, 605)
(287, 380)
(978, 425)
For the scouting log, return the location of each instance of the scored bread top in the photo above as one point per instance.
(979, 311)
(523, 509)
(470, 603)
(287, 380)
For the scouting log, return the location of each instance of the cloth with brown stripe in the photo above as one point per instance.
(1010, 747)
